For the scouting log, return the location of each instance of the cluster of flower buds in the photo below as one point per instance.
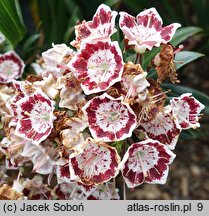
(87, 115)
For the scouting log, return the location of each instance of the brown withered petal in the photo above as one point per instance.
(7, 193)
(116, 91)
(61, 119)
(132, 69)
(164, 64)
(33, 78)
(154, 103)
(6, 93)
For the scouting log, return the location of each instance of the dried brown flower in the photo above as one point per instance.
(164, 64)
(7, 193)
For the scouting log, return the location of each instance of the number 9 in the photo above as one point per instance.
(199, 206)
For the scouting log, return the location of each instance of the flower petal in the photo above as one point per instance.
(163, 128)
(71, 94)
(54, 59)
(186, 109)
(98, 66)
(168, 32)
(150, 19)
(87, 189)
(97, 164)
(109, 119)
(42, 163)
(11, 67)
(101, 27)
(54, 56)
(35, 117)
(63, 173)
(48, 86)
(129, 27)
(146, 161)
(134, 82)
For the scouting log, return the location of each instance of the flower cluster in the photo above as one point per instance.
(88, 115)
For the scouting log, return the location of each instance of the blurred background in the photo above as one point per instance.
(53, 21)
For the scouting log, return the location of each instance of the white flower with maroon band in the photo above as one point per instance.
(98, 66)
(163, 128)
(97, 163)
(101, 27)
(11, 67)
(109, 119)
(23, 88)
(35, 117)
(146, 31)
(186, 109)
(146, 161)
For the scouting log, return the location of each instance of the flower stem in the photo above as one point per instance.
(141, 57)
(136, 59)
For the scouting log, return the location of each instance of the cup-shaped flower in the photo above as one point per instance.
(186, 109)
(98, 66)
(35, 117)
(97, 163)
(42, 163)
(146, 31)
(109, 119)
(54, 59)
(11, 67)
(163, 128)
(146, 161)
(101, 27)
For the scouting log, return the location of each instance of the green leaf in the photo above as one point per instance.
(186, 57)
(11, 24)
(183, 33)
(152, 74)
(72, 22)
(178, 90)
(111, 3)
(30, 41)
